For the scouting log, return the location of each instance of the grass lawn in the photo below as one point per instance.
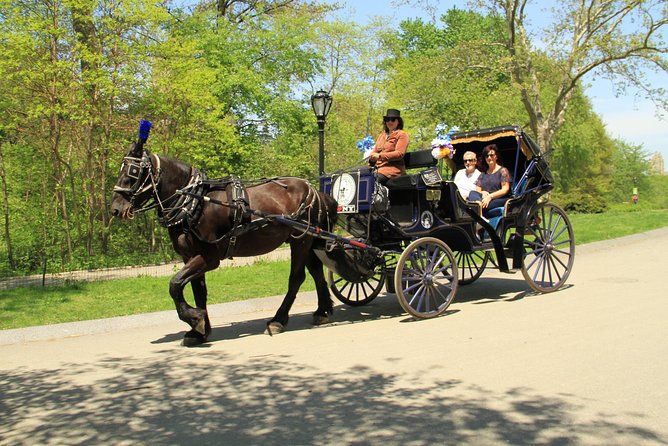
(24, 307)
(613, 224)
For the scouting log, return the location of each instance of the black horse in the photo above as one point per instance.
(211, 220)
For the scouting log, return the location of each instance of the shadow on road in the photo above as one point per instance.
(175, 397)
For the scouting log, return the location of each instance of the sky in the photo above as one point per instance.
(627, 118)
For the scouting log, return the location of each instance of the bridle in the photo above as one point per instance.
(146, 178)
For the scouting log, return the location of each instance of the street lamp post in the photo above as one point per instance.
(321, 102)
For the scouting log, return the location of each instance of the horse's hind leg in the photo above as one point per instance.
(325, 306)
(197, 318)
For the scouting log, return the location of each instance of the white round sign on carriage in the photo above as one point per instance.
(344, 191)
(427, 219)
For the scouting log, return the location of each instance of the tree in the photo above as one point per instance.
(452, 72)
(631, 164)
(615, 38)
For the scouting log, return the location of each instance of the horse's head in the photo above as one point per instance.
(138, 177)
(136, 182)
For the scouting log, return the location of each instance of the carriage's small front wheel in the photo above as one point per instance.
(426, 278)
(471, 264)
(356, 294)
(549, 248)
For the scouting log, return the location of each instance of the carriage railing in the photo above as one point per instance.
(525, 185)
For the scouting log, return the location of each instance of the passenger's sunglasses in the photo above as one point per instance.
(389, 119)
(490, 155)
(469, 161)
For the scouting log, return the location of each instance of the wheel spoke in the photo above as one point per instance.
(438, 291)
(417, 296)
(556, 258)
(555, 268)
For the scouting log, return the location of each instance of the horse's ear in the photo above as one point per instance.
(136, 149)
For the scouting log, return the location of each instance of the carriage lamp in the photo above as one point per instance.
(321, 102)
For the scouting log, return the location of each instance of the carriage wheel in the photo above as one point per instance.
(426, 278)
(549, 248)
(471, 264)
(356, 294)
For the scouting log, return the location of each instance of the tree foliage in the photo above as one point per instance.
(227, 84)
(622, 39)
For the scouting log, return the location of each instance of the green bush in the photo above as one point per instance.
(580, 202)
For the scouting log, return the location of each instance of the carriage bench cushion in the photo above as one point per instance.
(403, 182)
(420, 159)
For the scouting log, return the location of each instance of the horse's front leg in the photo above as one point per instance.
(200, 293)
(197, 318)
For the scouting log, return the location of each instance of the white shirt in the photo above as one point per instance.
(466, 182)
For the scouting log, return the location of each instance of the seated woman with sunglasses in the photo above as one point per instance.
(493, 184)
(390, 148)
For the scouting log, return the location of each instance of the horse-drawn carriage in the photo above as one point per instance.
(431, 240)
(419, 238)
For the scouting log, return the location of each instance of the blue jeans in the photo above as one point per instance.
(494, 211)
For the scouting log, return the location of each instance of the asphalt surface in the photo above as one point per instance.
(586, 365)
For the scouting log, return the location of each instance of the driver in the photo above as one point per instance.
(388, 152)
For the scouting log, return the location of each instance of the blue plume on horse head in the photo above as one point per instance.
(144, 129)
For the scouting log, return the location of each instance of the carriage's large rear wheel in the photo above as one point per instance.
(426, 278)
(549, 248)
(470, 265)
(356, 294)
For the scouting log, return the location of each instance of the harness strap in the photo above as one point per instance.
(186, 208)
(241, 214)
(240, 217)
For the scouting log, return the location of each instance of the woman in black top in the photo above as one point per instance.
(493, 184)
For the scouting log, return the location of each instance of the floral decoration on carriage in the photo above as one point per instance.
(365, 146)
(441, 146)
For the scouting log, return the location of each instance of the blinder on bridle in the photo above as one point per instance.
(142, 172)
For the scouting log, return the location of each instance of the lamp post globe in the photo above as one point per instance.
(321, 102)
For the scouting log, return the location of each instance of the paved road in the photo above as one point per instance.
(586, 365)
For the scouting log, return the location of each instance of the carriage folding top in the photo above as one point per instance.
(421, 217)
(516, 148)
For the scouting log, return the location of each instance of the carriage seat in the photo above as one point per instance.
(419, 159)
(453, 206)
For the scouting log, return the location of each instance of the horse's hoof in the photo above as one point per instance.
(201, 327)
(193, 339)
(274, 328)
(319, 319)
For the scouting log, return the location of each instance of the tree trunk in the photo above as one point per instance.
(5, 196)
(82, 22)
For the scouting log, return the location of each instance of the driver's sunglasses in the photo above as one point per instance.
(490, 155)
(470, 161)
(389, 119)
